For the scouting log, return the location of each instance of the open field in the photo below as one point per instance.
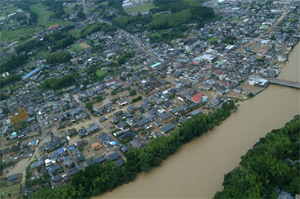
(14, 35)
(101, 73)
(41, 53)
(84, 45)
(236, 19)
(11, 189)
(76, 32)
(212, 39)
(140, 8)
(42, 12)
(193, 2)
(9, 9)
(105, 3)
(76, 47)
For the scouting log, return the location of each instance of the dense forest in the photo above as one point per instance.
(13, 63)
(99, 178)
(197, 14)
(28, 46)
(60, 39)
(59, 57)
(56, 8)
(265, 166)
(182, 12)
(10, 79)
(62, 82)
(122, 59)
(98, 27)
(128, 23)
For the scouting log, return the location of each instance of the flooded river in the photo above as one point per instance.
(197, 169)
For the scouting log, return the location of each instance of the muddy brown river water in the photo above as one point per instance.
(197, 169)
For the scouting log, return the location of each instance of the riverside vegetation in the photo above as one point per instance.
(99, 178)
(264, 167)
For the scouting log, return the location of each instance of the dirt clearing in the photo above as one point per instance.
(84, 45)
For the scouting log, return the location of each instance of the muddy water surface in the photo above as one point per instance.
(197, 169)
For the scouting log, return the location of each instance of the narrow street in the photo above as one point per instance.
(84, 7)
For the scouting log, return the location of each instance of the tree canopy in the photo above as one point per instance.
(13, 63)
(59, 57)
(198, 13)
(62, 82)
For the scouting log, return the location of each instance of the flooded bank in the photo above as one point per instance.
(197, 169)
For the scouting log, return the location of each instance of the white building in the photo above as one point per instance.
(281, 58)
(127, 4)
(206, 57)
(253, 79)
(192, 45)
(5, 74)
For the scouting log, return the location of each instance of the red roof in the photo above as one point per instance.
(198, 97)
(53, 26)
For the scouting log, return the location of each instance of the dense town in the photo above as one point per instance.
(118, 91)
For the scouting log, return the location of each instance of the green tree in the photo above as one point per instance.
(81, 15)
(132, 92)
(89, 106)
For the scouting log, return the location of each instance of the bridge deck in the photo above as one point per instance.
(283, 82)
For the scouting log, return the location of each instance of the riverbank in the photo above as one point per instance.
(196, 170)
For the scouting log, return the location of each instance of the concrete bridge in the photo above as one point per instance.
(283, 82)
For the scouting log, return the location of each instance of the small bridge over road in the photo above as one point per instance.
(283, 82)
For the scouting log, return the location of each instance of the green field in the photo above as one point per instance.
(9, 9)
(236, 19)
(101, 73)
(105, 3)
(10, 189)
(76, 33)
(43, 16)
(42, 12)
(76, 47)
(14, 35)
(212, 39)
(193, 2)
(140, 8)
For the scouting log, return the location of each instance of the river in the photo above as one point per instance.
(197, 169)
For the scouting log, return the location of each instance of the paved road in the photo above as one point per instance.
(84, 7)
(28, 15)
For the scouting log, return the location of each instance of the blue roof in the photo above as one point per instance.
(31, 73)
(60, 150)
(113, 143)
(154, 65)
(33, 142)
